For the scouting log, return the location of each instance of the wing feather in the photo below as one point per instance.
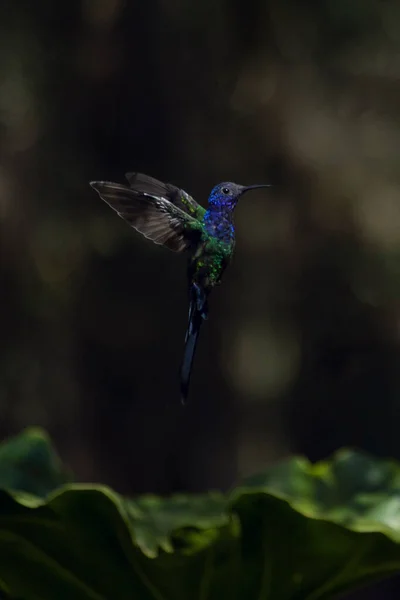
(156, 217)
(178, 197)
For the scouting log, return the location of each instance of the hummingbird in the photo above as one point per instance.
(169, 216)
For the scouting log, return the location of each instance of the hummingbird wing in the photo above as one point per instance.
(178, 197)
(153, 215)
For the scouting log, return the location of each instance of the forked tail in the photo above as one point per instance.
(197, 313)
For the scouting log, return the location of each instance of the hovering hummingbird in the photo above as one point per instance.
(169, 216)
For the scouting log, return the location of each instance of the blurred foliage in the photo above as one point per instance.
(297, 531)
(28, 463)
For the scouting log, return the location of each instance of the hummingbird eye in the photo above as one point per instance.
(225, 191)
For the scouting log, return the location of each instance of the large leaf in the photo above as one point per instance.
(29, 463)
(297, 532)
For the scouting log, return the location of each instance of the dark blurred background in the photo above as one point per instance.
(300, 354)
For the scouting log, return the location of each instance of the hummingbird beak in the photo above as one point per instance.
(254, 187)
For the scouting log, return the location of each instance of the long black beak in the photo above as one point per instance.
(254, 187)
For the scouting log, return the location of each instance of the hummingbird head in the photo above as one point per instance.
(226, 195)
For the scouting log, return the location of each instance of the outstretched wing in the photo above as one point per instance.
(178, 197)
(151, 214)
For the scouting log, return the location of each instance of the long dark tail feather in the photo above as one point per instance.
(197, 313)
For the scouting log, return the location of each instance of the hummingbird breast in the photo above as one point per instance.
(214, 252)
(220, 226)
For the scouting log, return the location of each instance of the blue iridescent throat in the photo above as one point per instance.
(218, 223)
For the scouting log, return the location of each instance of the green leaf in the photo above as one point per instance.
(297, 532)
(156, 519)
(28, 463)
